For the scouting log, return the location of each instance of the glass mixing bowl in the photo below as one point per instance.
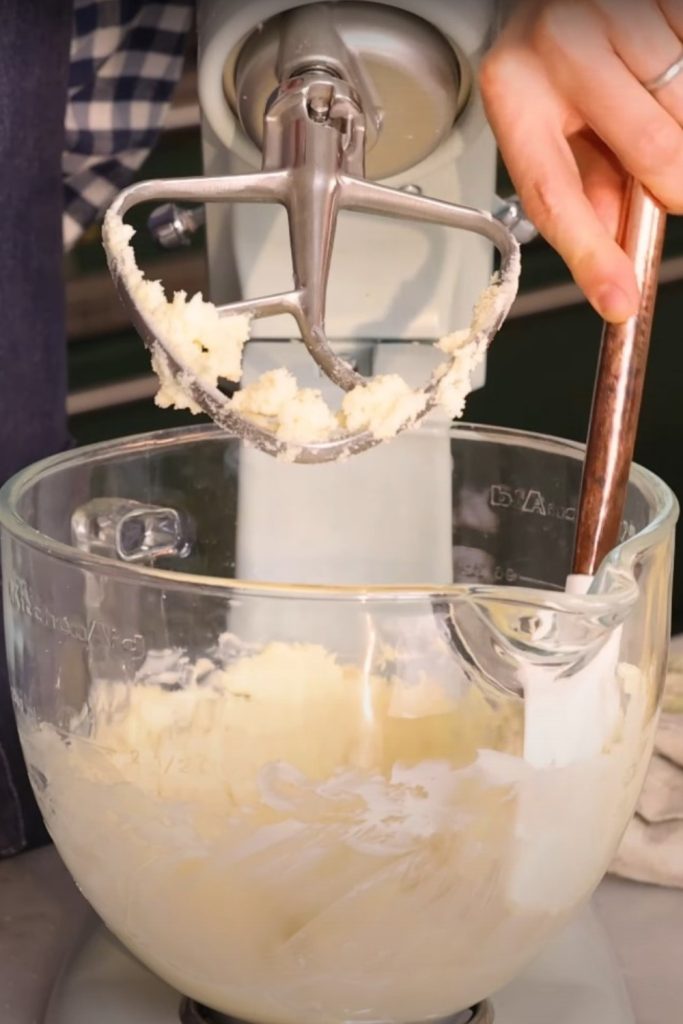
(332, 743)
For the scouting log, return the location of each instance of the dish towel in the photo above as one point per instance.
(652, 849)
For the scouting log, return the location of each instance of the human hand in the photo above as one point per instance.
(564, 92)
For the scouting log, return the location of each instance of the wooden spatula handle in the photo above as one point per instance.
(619, 389)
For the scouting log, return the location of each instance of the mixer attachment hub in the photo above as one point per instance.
(412, 85)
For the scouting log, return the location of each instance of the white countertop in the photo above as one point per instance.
(42, 916)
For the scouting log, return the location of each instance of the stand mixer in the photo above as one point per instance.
(413, 64)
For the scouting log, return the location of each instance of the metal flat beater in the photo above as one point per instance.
(314, 166)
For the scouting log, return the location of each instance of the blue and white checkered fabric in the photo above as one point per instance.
(126, 59)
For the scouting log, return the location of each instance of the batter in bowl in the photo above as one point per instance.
(288, 838)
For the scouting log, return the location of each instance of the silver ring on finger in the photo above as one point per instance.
(665, 77)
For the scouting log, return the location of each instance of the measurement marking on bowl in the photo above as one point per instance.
(529, 500)
(95, 633)
(532, 501)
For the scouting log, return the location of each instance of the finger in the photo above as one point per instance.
(646, 42)
(581, 61)
(603, 178)
(526, 117)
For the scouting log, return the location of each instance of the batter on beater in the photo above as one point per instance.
(210, 347)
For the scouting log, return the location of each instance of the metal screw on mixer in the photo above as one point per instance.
(321, 96)
(319, 109)
(511, 213)
(171, 226)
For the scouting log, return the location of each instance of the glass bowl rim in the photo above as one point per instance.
(620, 558)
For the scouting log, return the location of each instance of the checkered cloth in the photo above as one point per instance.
(126, 58)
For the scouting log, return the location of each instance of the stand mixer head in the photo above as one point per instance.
(325, 125)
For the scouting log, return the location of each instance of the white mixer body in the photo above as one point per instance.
(390, 280)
